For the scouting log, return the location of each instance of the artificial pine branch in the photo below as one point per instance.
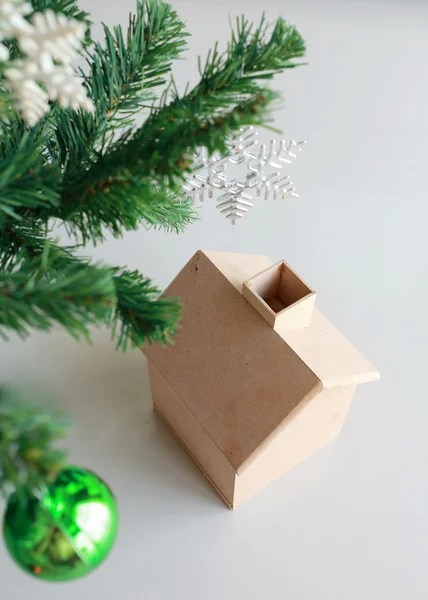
(44, 290)
(228, 97)
(122, 73)
(20, 241)
(121, 202)
(48, 285)
(73, 168)
(26, 182)
(125, 69)
(141, 315)
(28, 436)
(194, 122)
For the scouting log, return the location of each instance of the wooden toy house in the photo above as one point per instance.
(258, 379)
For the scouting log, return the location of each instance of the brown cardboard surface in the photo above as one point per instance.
(238, 267)
(233, 373)
(329, 354)
(308, 428)
(204, 452)
(312, 424)
(320, 345)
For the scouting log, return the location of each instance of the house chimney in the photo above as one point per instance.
(281, 297)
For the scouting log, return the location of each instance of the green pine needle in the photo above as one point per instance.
(26, 182)
(121, 202)
(230, 95)
(141, 316)
(28, 437)
(46, 290)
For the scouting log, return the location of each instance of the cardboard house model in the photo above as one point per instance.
(258, 379)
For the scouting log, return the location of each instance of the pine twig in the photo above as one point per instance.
(121, 202)
(141, 316)
(28, 437)
(50, 285)
(26, 182)
(228, 96)
(47, 290)
(122, 74)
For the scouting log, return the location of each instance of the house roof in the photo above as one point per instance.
(237, 376)
(321, 346)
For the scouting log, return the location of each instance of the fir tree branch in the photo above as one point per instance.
(12, 130)
(26, 182)
(228, 96)
(71, 139)
(122, 73)
(258, 53)
(229, 83)
(46, 290)
(50, 286)
(28, 437)
(193, 122)
(21, 240)
(121, 202)
(141, 316)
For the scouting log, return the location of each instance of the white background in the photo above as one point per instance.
(351, 522)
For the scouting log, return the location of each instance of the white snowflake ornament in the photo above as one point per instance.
(4, 52)
(12, 21)
(248, 168)
(52, 37)
(50, 42)
(31, 100)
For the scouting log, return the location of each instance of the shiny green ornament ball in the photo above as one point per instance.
(65, 532)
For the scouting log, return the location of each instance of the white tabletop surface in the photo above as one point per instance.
(350, 523)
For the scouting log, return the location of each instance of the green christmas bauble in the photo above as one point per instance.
(66, 532)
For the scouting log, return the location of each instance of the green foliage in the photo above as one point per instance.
(104, 173)
(42, 290)
(28, 434)
(120, 76)
(124, 69)
(229, 96)
(120, 202)
(47, 285)
(141, 315)
(74, 168)
(26, 182)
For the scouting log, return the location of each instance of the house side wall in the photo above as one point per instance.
(201, 448)
(304, 432)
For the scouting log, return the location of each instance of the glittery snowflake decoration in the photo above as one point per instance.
(248, 168)
(50, 42)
